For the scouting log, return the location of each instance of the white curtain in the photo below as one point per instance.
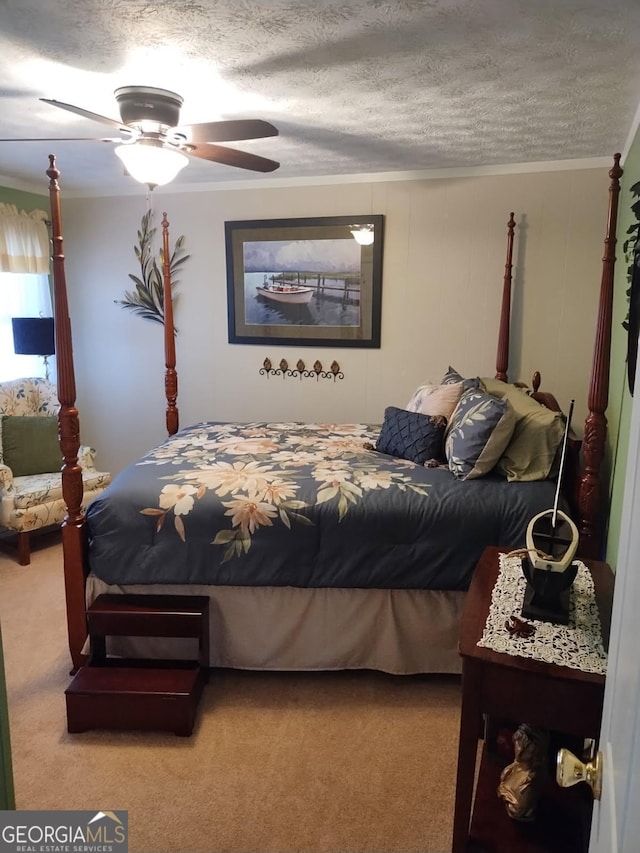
(24, 240)
(24, 283)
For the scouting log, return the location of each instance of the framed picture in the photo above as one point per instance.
(305, 282)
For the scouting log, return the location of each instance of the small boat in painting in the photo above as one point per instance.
(288, 293)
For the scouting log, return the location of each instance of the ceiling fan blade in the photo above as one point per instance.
(67, 139)
(86, 113)
(227, 131)
(231, 157)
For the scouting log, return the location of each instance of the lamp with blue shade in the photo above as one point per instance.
(34, 336)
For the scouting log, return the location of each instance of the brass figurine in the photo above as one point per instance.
(522, 781)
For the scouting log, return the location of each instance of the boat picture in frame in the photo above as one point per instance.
(278, 290)
(305, 282)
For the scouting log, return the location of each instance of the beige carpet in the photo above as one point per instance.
(278, 762)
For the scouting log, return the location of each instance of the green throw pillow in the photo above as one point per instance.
(531, 453)
(30, 444)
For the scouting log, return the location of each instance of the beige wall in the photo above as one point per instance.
(444, 258)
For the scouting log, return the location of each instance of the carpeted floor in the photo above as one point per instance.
(350, 762)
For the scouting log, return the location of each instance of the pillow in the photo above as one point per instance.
(453, 377)
(30, 444)
(537, 436)
(411, 435)
(435, 399)
(479, 432)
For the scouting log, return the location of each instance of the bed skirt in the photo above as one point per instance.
(398, 631)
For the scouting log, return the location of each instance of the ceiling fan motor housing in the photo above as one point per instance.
(145, 103)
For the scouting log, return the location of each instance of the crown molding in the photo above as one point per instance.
(23, 186)
(332, 180)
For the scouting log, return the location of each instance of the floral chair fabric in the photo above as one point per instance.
(35, 501)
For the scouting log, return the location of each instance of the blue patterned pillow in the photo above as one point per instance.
(479, 431)
(412, 435)
(452, 376)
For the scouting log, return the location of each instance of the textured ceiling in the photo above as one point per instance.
(358, 86)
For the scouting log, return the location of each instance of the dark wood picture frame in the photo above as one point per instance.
(304, 282)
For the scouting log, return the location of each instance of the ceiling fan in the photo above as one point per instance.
(154, 146)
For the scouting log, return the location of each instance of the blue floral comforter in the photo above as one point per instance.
(307, 505)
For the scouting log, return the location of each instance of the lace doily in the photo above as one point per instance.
(577, 645)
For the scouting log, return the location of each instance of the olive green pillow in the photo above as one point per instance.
(30, 444)
(531, 453)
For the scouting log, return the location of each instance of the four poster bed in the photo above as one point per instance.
(329, 548)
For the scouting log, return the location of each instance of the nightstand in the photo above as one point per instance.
(502, 686)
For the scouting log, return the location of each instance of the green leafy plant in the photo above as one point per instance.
(631, 246)
(147, 299)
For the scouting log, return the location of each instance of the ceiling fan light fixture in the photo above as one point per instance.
(363, 234)
(149, 162)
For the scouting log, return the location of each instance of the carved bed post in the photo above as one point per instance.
(595, 428)
(171, 376)
(502, 355)
(69, 436)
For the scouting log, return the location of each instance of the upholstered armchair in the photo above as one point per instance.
(31, 461)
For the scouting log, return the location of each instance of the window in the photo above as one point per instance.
(21, 295)
(24, 283)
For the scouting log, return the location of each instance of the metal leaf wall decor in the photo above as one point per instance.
(631, 245)
(147, 300)
(631, 249)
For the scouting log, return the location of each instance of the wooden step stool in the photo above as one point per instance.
(150, 695)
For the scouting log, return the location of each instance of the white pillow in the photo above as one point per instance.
(436, 399)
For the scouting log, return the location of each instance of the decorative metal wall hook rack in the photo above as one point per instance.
(301, 370)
